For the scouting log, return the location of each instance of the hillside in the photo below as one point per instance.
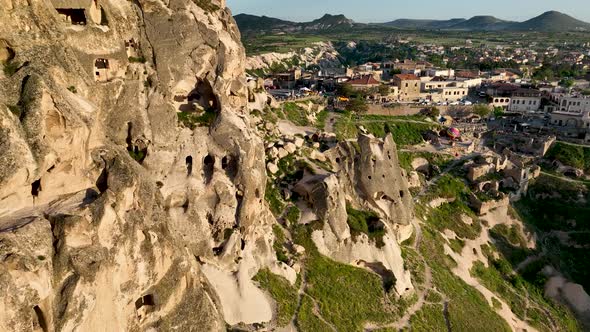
(552, 21)
(483, 23)
(253, 24)
(424, 24)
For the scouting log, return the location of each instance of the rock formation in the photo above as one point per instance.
(115, 193)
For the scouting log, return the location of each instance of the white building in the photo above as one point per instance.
(572, 112)
(434, 72)
(525, 101)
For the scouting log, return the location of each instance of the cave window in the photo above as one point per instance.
(337, 160)
(36, 188)
(230, 165)
(103, 17)
(209, 165)
(102, 181)
(370, 177)
(224, 162)
(74, 16)
(189, 165)
(401, 193)
(42, 323)
(146, 300)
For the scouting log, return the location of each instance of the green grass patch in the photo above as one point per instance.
(282, 292)
(295, 114)
(448, 216)
(273, 198)
(140, 59)
(192, 120)
(279, 244)
(404, 132)
(571, 155)
(436, 159)
(366, 222)
(347, 296)
(321, 117)
(307, 320)
(429, 318)
(293, 215)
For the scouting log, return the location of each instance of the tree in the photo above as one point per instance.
(358, 106)
(482, 110)
(431, 112)
(345, 90)
(384, 90)
(567, 83)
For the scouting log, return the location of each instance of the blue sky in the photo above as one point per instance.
(387, 10)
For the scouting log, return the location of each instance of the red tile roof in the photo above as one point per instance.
(407, 77)
(365, 80)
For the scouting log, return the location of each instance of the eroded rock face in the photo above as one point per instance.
(109, 206)
(368, 178)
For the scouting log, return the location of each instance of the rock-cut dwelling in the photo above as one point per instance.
(79, 12)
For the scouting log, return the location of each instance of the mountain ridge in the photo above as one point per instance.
(550, 21)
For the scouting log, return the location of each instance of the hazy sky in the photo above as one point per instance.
(388, 10)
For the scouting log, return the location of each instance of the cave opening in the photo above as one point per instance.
(145, 300)
(42, 323)
(189, 165)
(208, 167)
(74, 16)
(102, 183)
(230, 165)
(36, 188)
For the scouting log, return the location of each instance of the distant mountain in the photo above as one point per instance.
(548, 22)
(252, 24)
(329, 21)
(424, 24)
(552, 21)
(483, 23)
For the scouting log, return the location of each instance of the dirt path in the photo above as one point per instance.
(564, 178)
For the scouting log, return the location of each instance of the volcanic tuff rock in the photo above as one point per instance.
(110, 208)
(368, 177)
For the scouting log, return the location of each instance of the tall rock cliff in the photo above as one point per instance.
(131, 179)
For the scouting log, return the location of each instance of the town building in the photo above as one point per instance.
(572, 112)
(364, 83)
(525, 101)
(408, 85)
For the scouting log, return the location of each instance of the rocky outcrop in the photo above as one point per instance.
(369, 178)
(322, 54)
(117, 195)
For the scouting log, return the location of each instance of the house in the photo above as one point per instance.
(287, 80)
(408, 85)
(434, 72)
(107, 69)
(364, 82)
(525, 101)
(572, 112)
